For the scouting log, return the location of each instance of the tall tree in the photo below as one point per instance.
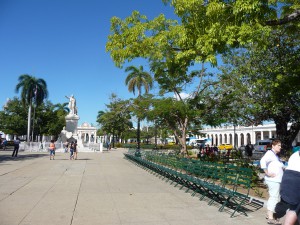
(267, 81)
(116, 119)
(135, 80)
(63, 107)
(13, 117)
(204, 30)
(33, 90)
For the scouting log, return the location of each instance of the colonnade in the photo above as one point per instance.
(87, 133)
(240, 135)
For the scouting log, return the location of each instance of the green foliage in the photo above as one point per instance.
(116, 119)
(48, 121)
(13, 118)
(32, 89)
(138, 78)
(267, 82)
(204, 30)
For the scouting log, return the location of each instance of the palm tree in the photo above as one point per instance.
(33, 91)
(100, 114)
(136, 79)
(62, 107)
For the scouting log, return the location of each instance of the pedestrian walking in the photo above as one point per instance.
(4, 144)
(273, 169)
(72, 150)
(66, 145)
(16, 147)
(75, 150)
(52, 149)
(249, 150)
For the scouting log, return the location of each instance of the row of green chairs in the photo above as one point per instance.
(221, 183)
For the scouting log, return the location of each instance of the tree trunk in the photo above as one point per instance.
(182, 136)
(113, 139)
(33, 118)
(287, 136)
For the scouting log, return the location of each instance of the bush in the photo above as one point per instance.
(118, 145)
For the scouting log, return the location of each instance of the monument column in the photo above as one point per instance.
(72, 124)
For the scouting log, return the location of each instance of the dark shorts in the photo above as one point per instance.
(52, 152)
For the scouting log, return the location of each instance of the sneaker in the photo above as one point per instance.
(273, 221)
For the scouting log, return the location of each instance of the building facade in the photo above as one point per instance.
(240, 135)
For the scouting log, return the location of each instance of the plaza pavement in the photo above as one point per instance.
(98, 188)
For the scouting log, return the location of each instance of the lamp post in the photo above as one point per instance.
(155, 139)
(138, 134)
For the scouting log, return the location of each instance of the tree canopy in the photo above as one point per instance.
(267, 82)
(203, 31)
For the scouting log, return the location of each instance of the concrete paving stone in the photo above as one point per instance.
(92, 217)
(99, 188)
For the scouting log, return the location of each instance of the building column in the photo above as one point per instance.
(239, 143)
(270, 134)
(221, 138)
(246, 139)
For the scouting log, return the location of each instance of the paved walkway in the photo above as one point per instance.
(99, 188)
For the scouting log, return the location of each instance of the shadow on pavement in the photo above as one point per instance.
(5, 158)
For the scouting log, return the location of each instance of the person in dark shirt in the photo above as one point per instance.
(16, 147)
(289, 189)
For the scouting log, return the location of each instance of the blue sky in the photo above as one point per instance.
(63, 42)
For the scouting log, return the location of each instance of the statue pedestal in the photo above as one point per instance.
(72, 123)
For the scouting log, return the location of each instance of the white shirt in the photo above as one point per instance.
(294, 162)
(271, 162)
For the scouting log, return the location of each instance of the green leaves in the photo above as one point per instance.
(33, 89)
(116, 119)
(48, 121)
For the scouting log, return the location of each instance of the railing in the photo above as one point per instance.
(44, 146)
(96, 146)
(38, 146)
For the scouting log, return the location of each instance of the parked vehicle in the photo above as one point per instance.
(170, 141)
(263, 145)
(225, 147)
(200, 142)
(191, 140)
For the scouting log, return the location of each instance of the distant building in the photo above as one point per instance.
(240, 135)
(87, 133)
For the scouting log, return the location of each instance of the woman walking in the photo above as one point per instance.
(52, 149)
(273, 168)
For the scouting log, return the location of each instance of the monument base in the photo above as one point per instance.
(69, 133)
(72, 123)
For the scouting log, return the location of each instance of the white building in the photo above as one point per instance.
(87, 133)
(241, 135)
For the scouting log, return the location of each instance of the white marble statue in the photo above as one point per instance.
(72, 105)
